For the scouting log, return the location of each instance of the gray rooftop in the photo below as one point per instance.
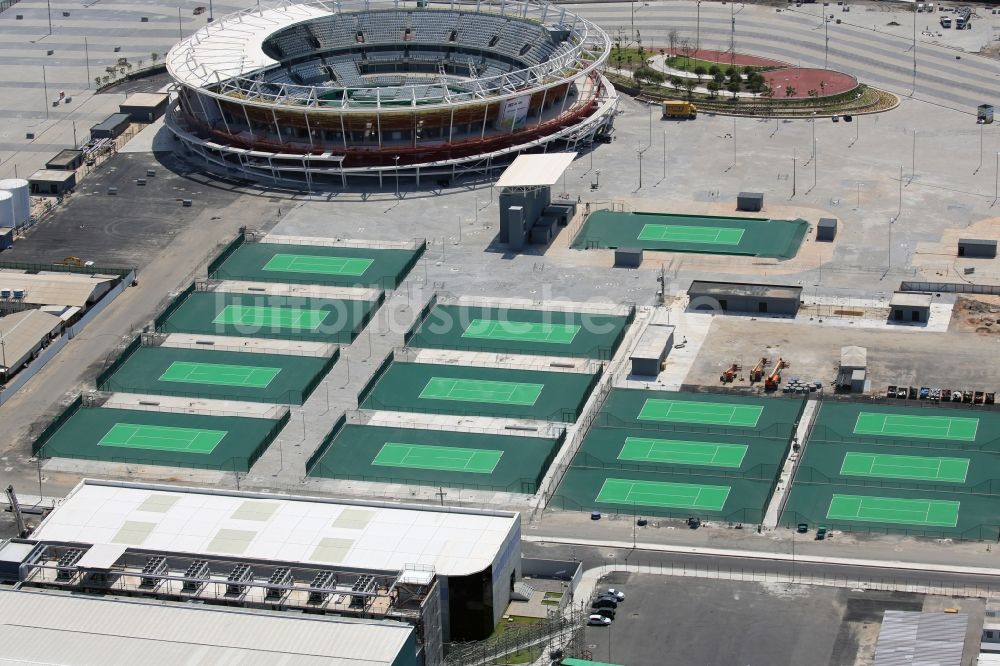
(653, 341)
(911, 299)
(53, 628)
(921, 639)
(710, 288)
(22, 331)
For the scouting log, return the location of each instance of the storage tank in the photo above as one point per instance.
(6, 210)
(18, 187)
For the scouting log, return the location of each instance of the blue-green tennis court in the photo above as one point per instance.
(320, 265)
(162, 438)
(708, 413)
(663, 494)
(937, 513)
(708, 454)
(476, 390)
(441, 458)
(218, 374)
(678, 233)
(919, 468)
(521, 331)
(270, 317)
(925, 427)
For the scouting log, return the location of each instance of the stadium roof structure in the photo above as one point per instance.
(233, 47)
(58, 628)
(536, 170)
(373, 536)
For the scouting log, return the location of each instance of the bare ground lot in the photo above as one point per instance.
(895, 356)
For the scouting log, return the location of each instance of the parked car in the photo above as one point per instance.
(618, 594)
(604, 602)
(606, 612)
(598, 620)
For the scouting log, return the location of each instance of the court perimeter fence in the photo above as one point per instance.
(421, 316)
(376, 376)
(56, 423)
(233, 464)
(522, 485)
(824, 433)
(746, 515)
(226, 252)
(981, 532)
(289, 397)
(777, 431)
(162, 324)
(418, 247)
(811, 475)
(759, 472)
(599, 352)
(172, 306)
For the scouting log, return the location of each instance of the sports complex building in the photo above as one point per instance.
(447, 573)
(425, 91)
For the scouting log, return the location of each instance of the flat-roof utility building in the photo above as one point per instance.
(745, 297)
(450, 571)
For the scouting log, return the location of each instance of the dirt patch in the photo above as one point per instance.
(979, 314)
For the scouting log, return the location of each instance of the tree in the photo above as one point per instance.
(714, 71)
(719, 77)
(713, 88)
(672, 40)
(813, 93)
(676, 82)
(700, 71)
(689, 85)
(731, 71)
(648, 74)
(686, 49)
(154, 56)
(733, 87)
(748, 70)
(789, 91)
(97, 81)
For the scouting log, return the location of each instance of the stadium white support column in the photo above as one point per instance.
(277, 127)
(309, 130)
(343, 136)
(486, 112)
(378, 127)
(451, 125)
(222, 115)
(246, 116)
(541, 109)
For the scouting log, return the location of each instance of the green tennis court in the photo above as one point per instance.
(162, 438)
(679, 233)
(521, 331)
(709, 413)
(441, 458)
(938, 513)
(708, 234)
(477, 390)
(219, 374)
(920, 468)
(320, 265)
(270, 317)
(925, 427)
(663, 494)
(710, 454)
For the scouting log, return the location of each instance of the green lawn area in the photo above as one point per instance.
(517, 622)
(690, 64)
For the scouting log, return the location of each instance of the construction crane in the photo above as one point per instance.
(757, 372)
(773, 379)
(729, 374)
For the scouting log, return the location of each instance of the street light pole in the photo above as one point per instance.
(697, 33)
(826, 48)
(913, 167)
(980, 149)
(664, 155)
(639, 151)
(396, 158)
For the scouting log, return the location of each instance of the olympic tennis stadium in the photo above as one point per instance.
(314, 93)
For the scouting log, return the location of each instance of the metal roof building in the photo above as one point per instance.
(921, 639)
(58, 628)
(463, 562)
(22, 334)
(67, 289)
